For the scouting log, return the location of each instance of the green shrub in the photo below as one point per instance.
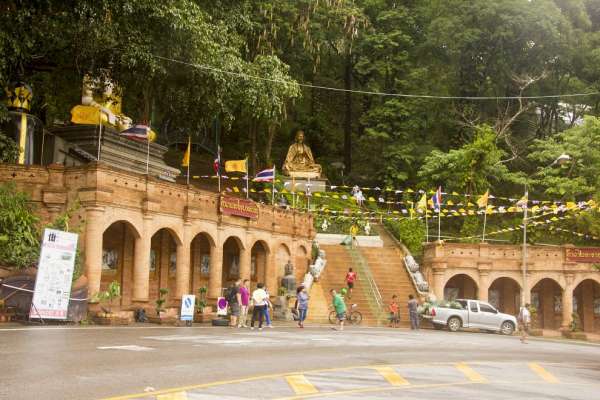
(9, 151)
(411, 232)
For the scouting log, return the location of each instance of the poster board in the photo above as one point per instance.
(55, 273)
(187, 307)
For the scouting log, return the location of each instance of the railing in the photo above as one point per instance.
(406, 253)
(373, 294)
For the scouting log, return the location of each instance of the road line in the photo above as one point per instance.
(131, 347)
(301, 385)
(470, 373)
(173, 396)
(392, 376)
(543, 373)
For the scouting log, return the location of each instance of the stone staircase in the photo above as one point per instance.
(387, 267)
(339, 259)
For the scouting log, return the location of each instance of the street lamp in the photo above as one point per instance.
(560, 160)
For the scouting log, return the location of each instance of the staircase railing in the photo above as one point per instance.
(373, 294)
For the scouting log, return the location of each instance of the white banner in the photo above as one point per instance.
(187, 307)
(54, 276)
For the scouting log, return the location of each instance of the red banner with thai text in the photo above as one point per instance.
(239, 207)
(583, 254)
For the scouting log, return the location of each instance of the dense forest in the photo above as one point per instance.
(470, 95)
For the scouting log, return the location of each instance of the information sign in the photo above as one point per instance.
(187, 307)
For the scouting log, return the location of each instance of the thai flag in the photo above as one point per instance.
(437, 199)
(217, 162)
(266, 175)
(137, 132)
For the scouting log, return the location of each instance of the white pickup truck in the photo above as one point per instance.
(472, 314)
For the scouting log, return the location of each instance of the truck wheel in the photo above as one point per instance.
(507, 328)
(454, 324)
(438, 327)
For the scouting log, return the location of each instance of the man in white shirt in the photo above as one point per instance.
(259, 300)
(524, 319)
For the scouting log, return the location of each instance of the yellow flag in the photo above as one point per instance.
(186, 157)
(235, 189)
(422, 204)
(236, 165)
(482, 202)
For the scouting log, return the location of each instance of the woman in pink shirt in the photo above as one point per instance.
(245, 297)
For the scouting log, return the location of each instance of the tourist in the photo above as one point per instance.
(394, 312)
(353, 233)
(340, 308)
(351, 277)
(268, 309)
(259, 300)
(234, 300)
(413, 307)
(302, 298)
(245, 303)
(524, 320)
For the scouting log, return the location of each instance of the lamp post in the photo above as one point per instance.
(560, 160)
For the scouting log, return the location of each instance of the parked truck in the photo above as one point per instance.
(471, 314)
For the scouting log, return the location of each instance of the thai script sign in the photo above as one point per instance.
(55, 272)
(583, 254)
(240, 207)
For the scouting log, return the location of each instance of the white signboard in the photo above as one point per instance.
(187, 307)
(55, 272)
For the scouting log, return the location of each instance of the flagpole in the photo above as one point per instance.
(273, 188)
(439, 221)
(426, 225)
(307, 196)
(147, 152)
(484, 221)
(247, 180)
(219, 166)
(188, 162)
(99, 136)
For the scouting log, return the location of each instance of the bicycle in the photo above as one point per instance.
(354, 317)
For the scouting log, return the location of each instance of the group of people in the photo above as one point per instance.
(240, 299)
(413, 312)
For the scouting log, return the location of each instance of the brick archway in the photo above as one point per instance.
(259, 255)
(460, 286)
(232, 250)
(163, 262)
(546, 298)
(505, 293)
(586, 304)
(201, 251)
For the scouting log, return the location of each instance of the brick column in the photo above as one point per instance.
(245, 256)
(182, 278)
(93, 248)
(215, 278)
(271, 274)
(567, 307)
(141, 264)
(483, 285)
(438, 284)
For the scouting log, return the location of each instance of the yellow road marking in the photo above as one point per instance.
(172, 396)
(470, 373)
(392, 376)
(300, 385)
(545, 375)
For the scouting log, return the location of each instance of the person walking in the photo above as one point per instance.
(234, 300)
(244, 303)
(268, 309)
(302, 304)
(259, 300)
(353, 233)
(394, 312)
(340, 308)
(524, 320)
(413, 306)
(351, 277)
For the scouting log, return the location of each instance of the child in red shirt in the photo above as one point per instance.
(394, 313)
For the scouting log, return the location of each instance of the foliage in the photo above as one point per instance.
(201, 302)
(575, 325)
(61, 222)
(411, 232)
(19, 229)
(9, 151)
(112, 293)
(162, 294)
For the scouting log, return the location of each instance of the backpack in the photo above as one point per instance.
(231, 295)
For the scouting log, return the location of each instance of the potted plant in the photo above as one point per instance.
(106, 298)
(535, 322)
(161, 315)
(203, 311)
(574, 331)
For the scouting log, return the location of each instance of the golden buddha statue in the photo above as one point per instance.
(299, 159)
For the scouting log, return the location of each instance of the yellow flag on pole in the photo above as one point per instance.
(482, 202)
(186, 157)
(422, 204)
(236, 165)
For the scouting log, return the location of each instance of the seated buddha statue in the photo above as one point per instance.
(299, 157)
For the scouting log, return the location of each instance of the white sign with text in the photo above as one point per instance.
(54, 276)
(187, 307)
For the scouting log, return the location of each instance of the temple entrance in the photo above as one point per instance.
(283, 255)
(586, 304)
(258, 263)
(118, 244)
(546, 297)
(460, 286)
(505, 295)
(163, 263)
(200, 252)
(231, 260)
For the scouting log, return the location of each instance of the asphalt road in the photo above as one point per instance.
(218, 363)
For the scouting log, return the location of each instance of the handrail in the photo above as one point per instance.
(406, 253)
(374, 293)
